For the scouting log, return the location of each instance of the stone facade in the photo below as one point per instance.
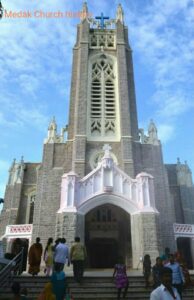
(82, 187)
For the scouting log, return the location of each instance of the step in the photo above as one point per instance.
(93, 288)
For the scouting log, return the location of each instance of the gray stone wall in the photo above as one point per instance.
(57, 160)
(149, 159)
(69, 225)
(182, 195)
(175, 193)
(144, 237)
(30, 173)
(9, 214)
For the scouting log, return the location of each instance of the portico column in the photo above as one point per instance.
(144, 236)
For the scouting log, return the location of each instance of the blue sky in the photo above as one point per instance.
(35, 72)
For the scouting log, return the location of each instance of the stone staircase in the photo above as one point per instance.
(92, 288)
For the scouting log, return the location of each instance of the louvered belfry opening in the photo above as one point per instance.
(103, 111)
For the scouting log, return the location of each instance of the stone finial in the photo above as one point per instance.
(12, 165)
(52, 124)
(107, 149)
(53, 137)
(63, 131)
(84, 12)
(153, 133)
(120, 14)
(52, 130)
(184, 174)
(142, 136)
(22, 160)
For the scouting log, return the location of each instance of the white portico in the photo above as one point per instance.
(108, 187)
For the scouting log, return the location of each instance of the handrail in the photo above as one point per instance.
(14, 267)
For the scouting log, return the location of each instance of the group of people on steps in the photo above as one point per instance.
(166, 277)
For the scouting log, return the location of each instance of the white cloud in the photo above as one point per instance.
(172, 104)
(166, 132)
(163, 38)
(32, 60)
(4, 165)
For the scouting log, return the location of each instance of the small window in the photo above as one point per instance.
(31, 213)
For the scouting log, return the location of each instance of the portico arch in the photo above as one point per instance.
(139, 227)
(108, 236)
(105, 198)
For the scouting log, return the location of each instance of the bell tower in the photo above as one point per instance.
(102, 104)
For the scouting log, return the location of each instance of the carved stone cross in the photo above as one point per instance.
(107, 149)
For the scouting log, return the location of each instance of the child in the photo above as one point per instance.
(121, 279)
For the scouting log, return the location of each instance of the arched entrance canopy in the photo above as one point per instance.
(133, 195)
(105, 186)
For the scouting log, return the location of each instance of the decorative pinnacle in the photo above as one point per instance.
(120, 14)
(106, 149)
(84, 13)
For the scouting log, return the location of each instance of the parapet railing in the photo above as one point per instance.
(14, 267)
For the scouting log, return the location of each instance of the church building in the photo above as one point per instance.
(106, 181)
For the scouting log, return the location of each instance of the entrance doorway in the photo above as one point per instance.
(108, 236)
(184, 247)
(103, 253)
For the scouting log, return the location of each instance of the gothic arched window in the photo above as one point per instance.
(102, 112)
(31, 209)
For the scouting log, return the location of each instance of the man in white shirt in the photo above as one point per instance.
(61, 254)
(165, 291)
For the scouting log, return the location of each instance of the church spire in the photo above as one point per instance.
(84, 12)
(120, 14)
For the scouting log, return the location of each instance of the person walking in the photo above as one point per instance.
(156, 272)
(147, 269)
(121, 279)
(18, 293)
(48, 257)
(34, 257)
(177, 274)
(165, 291)
(61, 254)
(58, 283)
(77, 256)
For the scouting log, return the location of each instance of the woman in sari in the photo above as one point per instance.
(34, 257)
(48, 257)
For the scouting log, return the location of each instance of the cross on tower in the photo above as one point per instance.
(102, 18)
